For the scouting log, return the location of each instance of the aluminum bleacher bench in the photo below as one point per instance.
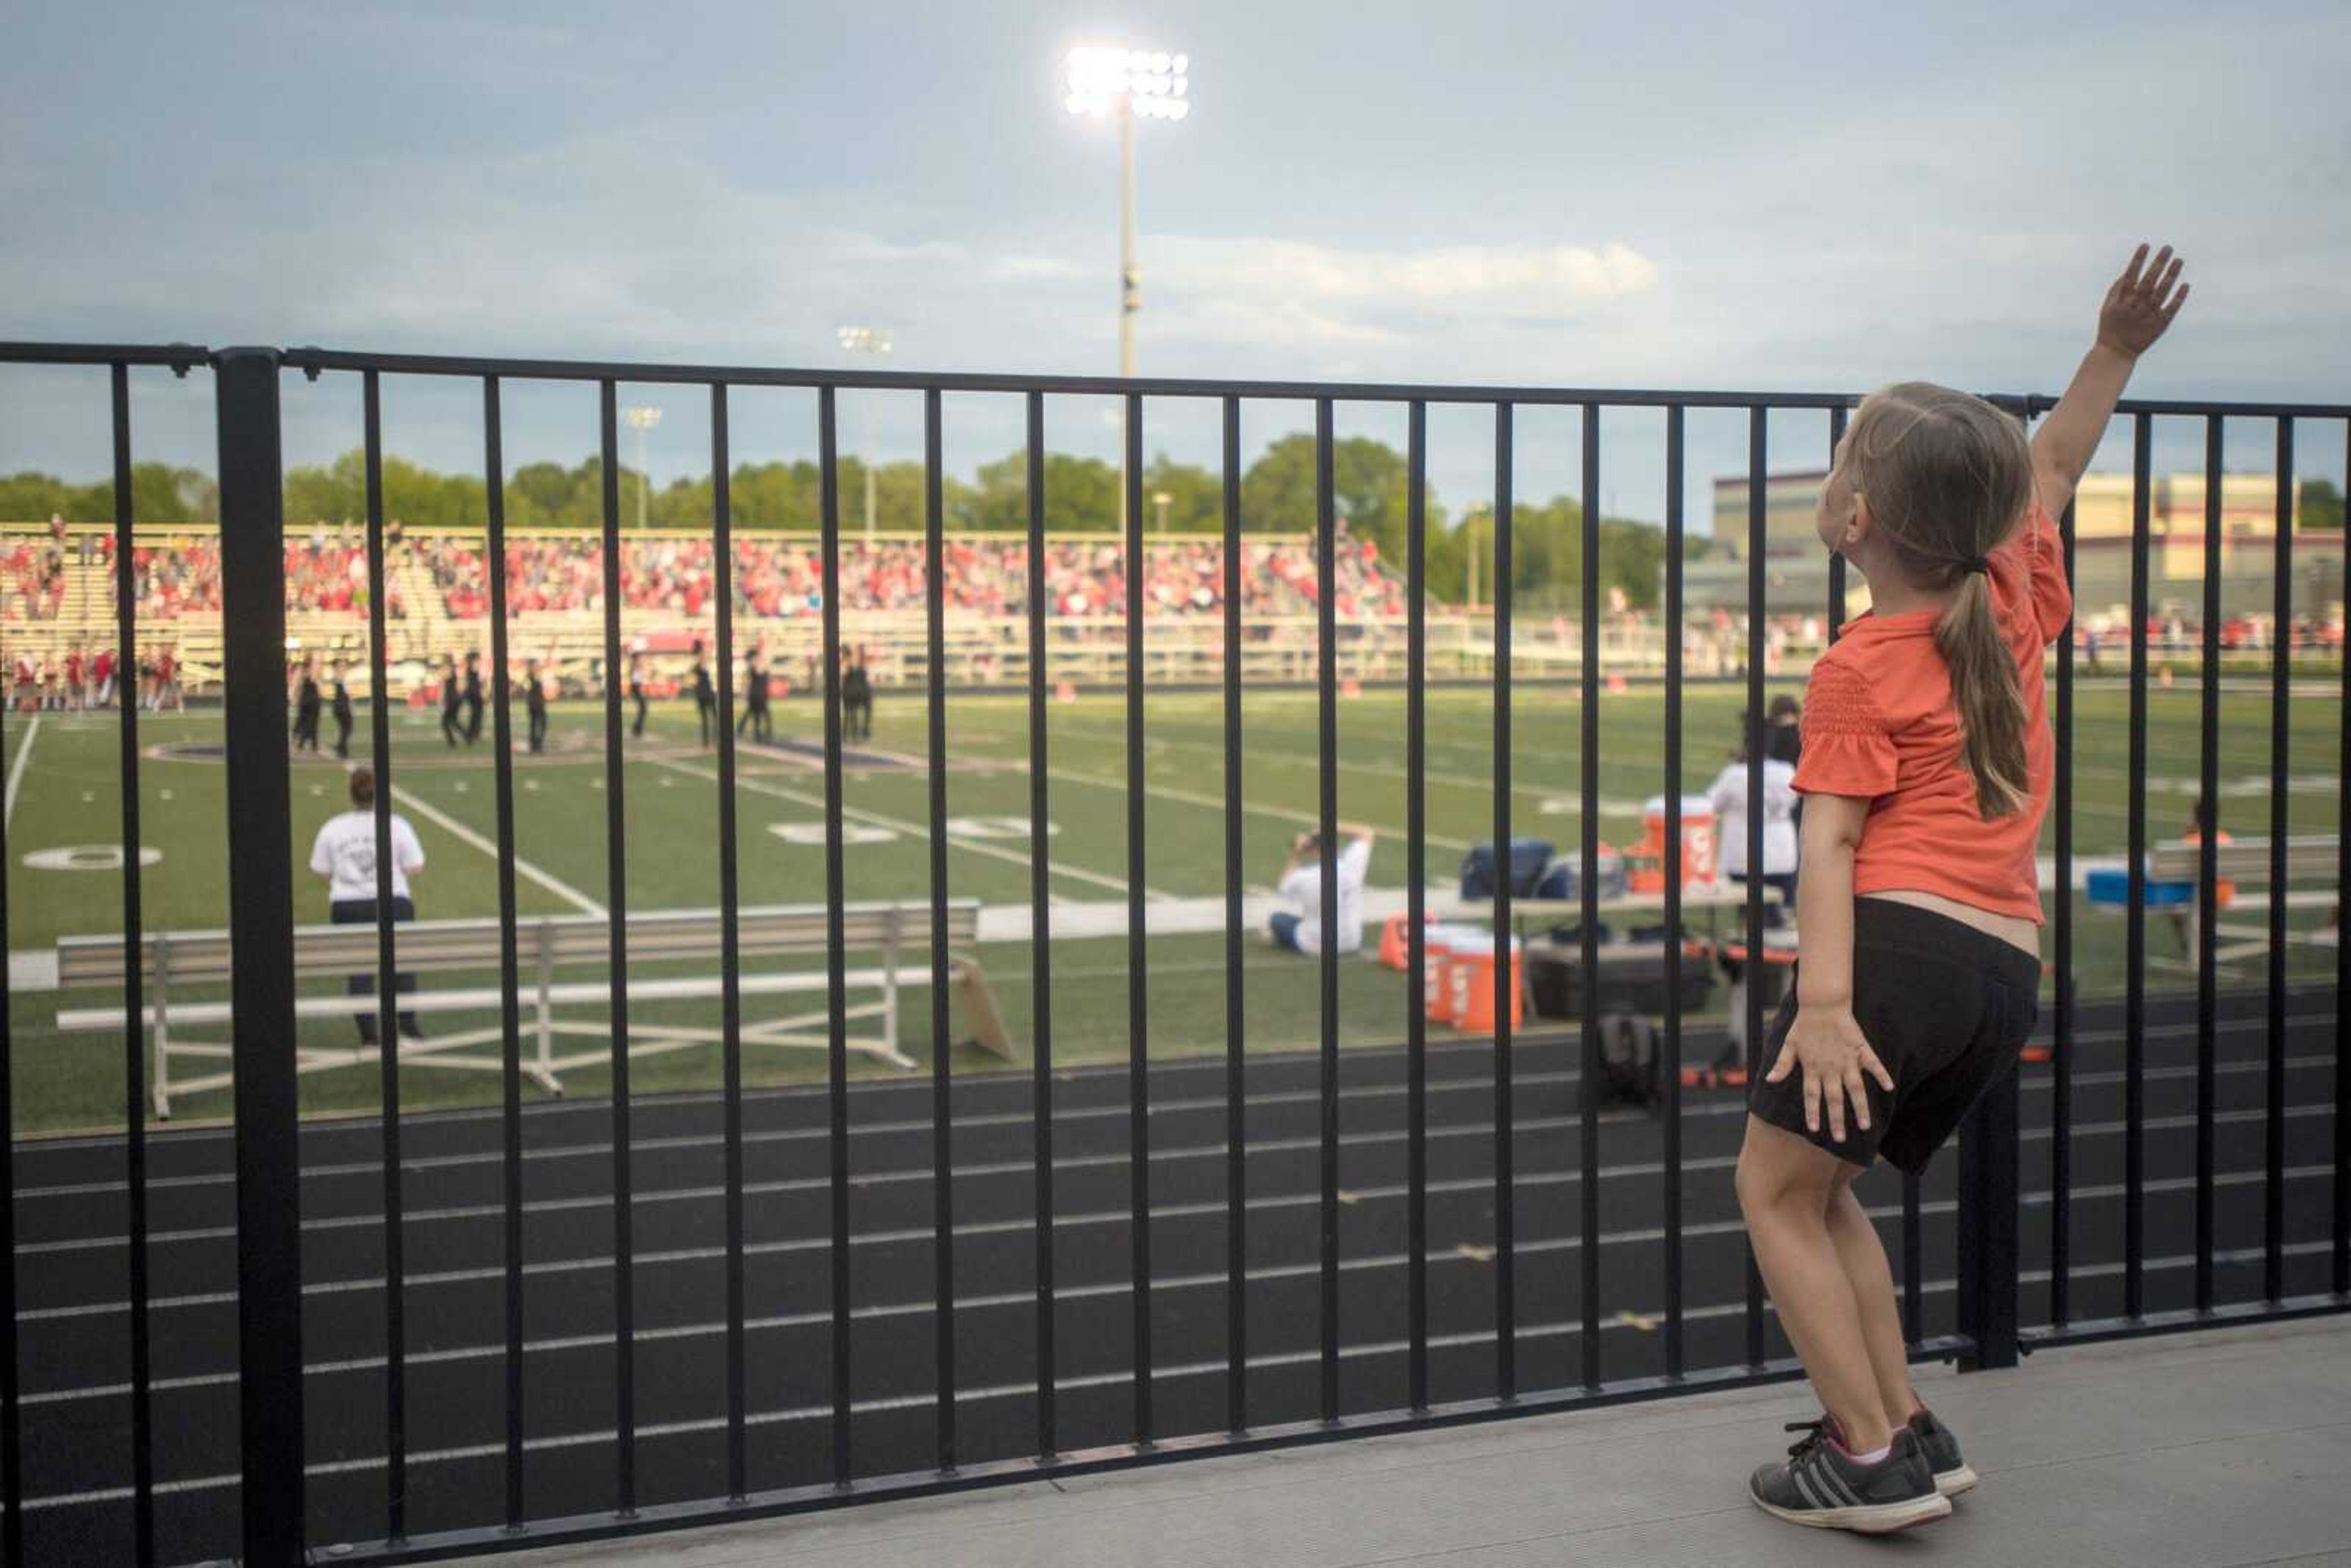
(2309, 857)
(898, 933)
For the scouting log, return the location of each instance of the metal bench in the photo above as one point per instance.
(900, 933)
(2309, 857)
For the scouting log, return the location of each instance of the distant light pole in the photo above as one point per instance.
(1126, 83)
(872, 340)
(641, 417)
(1162, 500)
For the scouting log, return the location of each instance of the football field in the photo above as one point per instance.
(64, 835)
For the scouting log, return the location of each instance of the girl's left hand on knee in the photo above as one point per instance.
(1828, 1045)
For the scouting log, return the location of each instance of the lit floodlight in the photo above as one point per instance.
(642, 417)
(1150, 83)
(865, 340)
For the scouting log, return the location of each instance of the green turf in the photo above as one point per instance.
(69, 796)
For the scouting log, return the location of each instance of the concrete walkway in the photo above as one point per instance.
(2225, 1448)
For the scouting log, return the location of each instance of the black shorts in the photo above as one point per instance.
(1946, 1008)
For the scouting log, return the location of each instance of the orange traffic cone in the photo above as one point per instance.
(1066, 692)
(1615, 683)
(1351, 688)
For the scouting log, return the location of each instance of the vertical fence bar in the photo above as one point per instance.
(2208, 822)
(1672, 1132)
(2135, 912)
(1041, 938)
(730, 940)
(1326, 703)
(493, 468)
(2341, 1273)
(2061, 1051)
(2281, 740)
(134, 1000)
(1836, 562)
(1236, 1020)
(1138, 945)
(1757, 434)
(387, 986)
(616, 874)
(1416, 806)
(1588, 1252)
(261, 982)
(836, 977)
(12, 1458)
(942, 1024)
(1506, 1246)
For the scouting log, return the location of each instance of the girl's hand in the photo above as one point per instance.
(2140, 305)
(1828, 1043)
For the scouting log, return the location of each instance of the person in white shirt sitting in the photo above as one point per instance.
(344, 854)
(1728, 795)
(1300, 926)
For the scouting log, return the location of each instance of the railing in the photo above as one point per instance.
(1257, 1408)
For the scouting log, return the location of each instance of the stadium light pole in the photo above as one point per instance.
(1161, 500)
(641, 417)
(872, 340)
(1127, 85)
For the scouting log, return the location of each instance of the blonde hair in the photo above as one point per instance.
(1948, 477)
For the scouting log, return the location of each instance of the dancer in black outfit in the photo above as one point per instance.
(306, 708)
(534, 686)
(857, 699)
(450, 728)
(473, 698)
(754, 698)
(637, 692)
(705, 696)
(342, 710)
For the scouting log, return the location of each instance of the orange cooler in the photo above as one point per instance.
(1469, 977)
(1437, 986)
(1697, 843)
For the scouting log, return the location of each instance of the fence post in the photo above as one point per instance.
(261, 981)
(1988, 1229)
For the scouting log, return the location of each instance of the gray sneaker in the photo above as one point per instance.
(1953, 1475)
(1822, 1486)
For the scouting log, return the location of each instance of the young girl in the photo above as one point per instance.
(1927, 767)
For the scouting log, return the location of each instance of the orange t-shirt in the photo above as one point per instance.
(1879, 725)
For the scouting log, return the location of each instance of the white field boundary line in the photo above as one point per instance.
(911, 829)
(465, 835)
(16, 771)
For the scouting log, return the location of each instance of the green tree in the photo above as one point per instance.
(2321, 507)
(1368, 487)
(1081, 494)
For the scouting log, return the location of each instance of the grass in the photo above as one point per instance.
(69, 794)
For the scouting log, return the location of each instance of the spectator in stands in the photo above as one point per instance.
(1298, 927)
(345, 853)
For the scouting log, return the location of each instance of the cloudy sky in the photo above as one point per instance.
(1749, 196)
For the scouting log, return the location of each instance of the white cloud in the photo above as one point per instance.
(1546, 280)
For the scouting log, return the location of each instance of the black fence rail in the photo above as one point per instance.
(2011, 1219)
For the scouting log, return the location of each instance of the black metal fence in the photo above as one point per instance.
(2005, 1299)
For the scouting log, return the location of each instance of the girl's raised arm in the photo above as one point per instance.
(2136, 309)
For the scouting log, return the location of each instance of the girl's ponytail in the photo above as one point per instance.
(1948, 478)
(1985, 692)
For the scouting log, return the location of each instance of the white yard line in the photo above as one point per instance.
(913, 830)
(16, 771)
(463, 835)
